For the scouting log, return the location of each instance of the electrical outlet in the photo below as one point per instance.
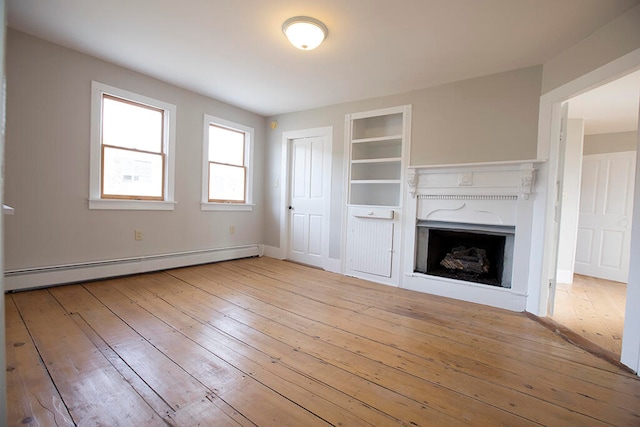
(232, 229)
(137, 234)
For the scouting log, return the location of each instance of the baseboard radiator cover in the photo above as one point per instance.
(31, 278)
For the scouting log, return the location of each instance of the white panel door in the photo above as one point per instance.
(604, 227)
(307, 200)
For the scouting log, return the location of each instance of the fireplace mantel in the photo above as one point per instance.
(468, 180)
(494, 193)
(475, 164)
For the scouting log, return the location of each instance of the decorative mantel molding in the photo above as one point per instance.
(412, 182)
(465, 179)
(466, 197)
(482, 181)
(528, 177)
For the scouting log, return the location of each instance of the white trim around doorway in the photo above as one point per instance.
(548, 136)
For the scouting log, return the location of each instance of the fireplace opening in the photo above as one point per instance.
(480, 254)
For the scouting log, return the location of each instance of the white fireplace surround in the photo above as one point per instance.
(498, 193)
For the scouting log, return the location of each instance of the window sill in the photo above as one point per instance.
(139, 205)
(244, 207)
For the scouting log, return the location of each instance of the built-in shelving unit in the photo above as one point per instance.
(377, 144)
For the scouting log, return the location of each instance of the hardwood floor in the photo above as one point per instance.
(593, 308)
(271, 343)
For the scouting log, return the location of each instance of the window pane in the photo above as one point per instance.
(226, 146)
(130, 173)
(129, 125)
(226, 183)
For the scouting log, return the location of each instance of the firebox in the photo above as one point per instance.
(468, 252)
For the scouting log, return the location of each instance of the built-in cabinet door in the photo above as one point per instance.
(371, 245)
(604, 227)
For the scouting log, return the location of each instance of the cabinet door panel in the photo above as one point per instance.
(371, 246)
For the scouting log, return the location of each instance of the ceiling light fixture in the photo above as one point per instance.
(304, 32)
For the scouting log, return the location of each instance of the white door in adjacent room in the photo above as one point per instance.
(309, 194)
(606, 204)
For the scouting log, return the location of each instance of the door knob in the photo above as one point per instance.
(290, 208)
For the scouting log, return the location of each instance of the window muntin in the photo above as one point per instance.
(227, 170)
(131, 174)
(132, 150)
(226, 183)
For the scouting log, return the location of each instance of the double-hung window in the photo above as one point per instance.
(227, 165)
(132, 150)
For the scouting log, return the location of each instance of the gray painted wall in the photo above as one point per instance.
(47, 165)
(610, 142)
(490, 118)
(618, 38)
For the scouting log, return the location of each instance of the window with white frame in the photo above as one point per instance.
(132, 147)
(227, 168)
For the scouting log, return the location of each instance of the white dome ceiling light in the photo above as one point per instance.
(304, 32)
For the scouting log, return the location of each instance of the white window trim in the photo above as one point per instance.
(95, 201)
(206, 205)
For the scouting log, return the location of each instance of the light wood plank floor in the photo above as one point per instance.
(593, 308)
(270, 343)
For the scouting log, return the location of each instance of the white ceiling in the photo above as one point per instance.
(234, 50)
(609, 108)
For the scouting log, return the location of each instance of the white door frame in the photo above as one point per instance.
(3, 378)
(285, 185)
(548, 131)
(631, 332)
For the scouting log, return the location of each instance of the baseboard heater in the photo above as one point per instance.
(30, 278)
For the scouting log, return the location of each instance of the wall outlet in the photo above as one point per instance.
(137, 234)
(232, 229)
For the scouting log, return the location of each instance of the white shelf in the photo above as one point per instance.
(376, 150)
(378, 139)
(369, 206)
(376, 181)
(382, 160)
(375, 157)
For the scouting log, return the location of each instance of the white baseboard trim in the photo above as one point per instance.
(72, 273)
(273, 252)
(494, 296)
(333, 265)
(328, 264)
(564, 276)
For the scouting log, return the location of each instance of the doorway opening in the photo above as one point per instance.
(596, 212)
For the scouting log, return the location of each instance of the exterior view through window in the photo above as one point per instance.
(227, 169)
(133, 154)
